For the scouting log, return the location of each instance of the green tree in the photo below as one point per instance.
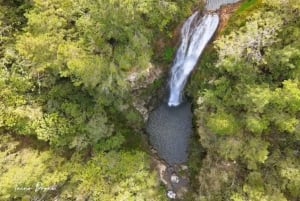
(248, 113)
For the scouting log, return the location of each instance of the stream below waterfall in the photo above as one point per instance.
(170, 125)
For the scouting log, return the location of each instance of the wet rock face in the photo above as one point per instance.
(216, 4)
(169, 130)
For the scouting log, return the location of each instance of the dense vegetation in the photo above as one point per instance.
(67, 121)
(248, 106)
(69, 128)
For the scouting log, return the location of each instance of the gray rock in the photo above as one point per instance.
(174, 178)
(216, 4)
(171, 194)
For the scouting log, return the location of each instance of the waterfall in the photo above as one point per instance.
(195, 33)
(170, 128)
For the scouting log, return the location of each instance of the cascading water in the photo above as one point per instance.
(169, 128)
(195, 35)
(170, 125)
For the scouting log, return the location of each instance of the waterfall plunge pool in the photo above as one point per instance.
(169, 130)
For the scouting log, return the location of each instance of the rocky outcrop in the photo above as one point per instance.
(140, 81)
(225, 13)
(175, 177)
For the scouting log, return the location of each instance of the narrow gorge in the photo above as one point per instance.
(170, 125)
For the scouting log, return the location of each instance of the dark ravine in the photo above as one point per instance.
(170, 125)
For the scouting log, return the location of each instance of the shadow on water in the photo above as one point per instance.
(169, 130)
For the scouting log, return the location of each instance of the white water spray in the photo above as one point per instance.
(195, 33)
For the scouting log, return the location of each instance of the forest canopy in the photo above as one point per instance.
(249, 104)
(70, 129)
(67, 114)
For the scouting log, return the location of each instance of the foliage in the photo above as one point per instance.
(115, 176)
(79, 57)
(64, 67)
(248, 107)
(27, 173)
(169, 54)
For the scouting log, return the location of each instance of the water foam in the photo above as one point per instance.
(195, 33)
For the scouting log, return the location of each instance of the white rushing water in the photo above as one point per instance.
(195, 33)
(170, 128)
